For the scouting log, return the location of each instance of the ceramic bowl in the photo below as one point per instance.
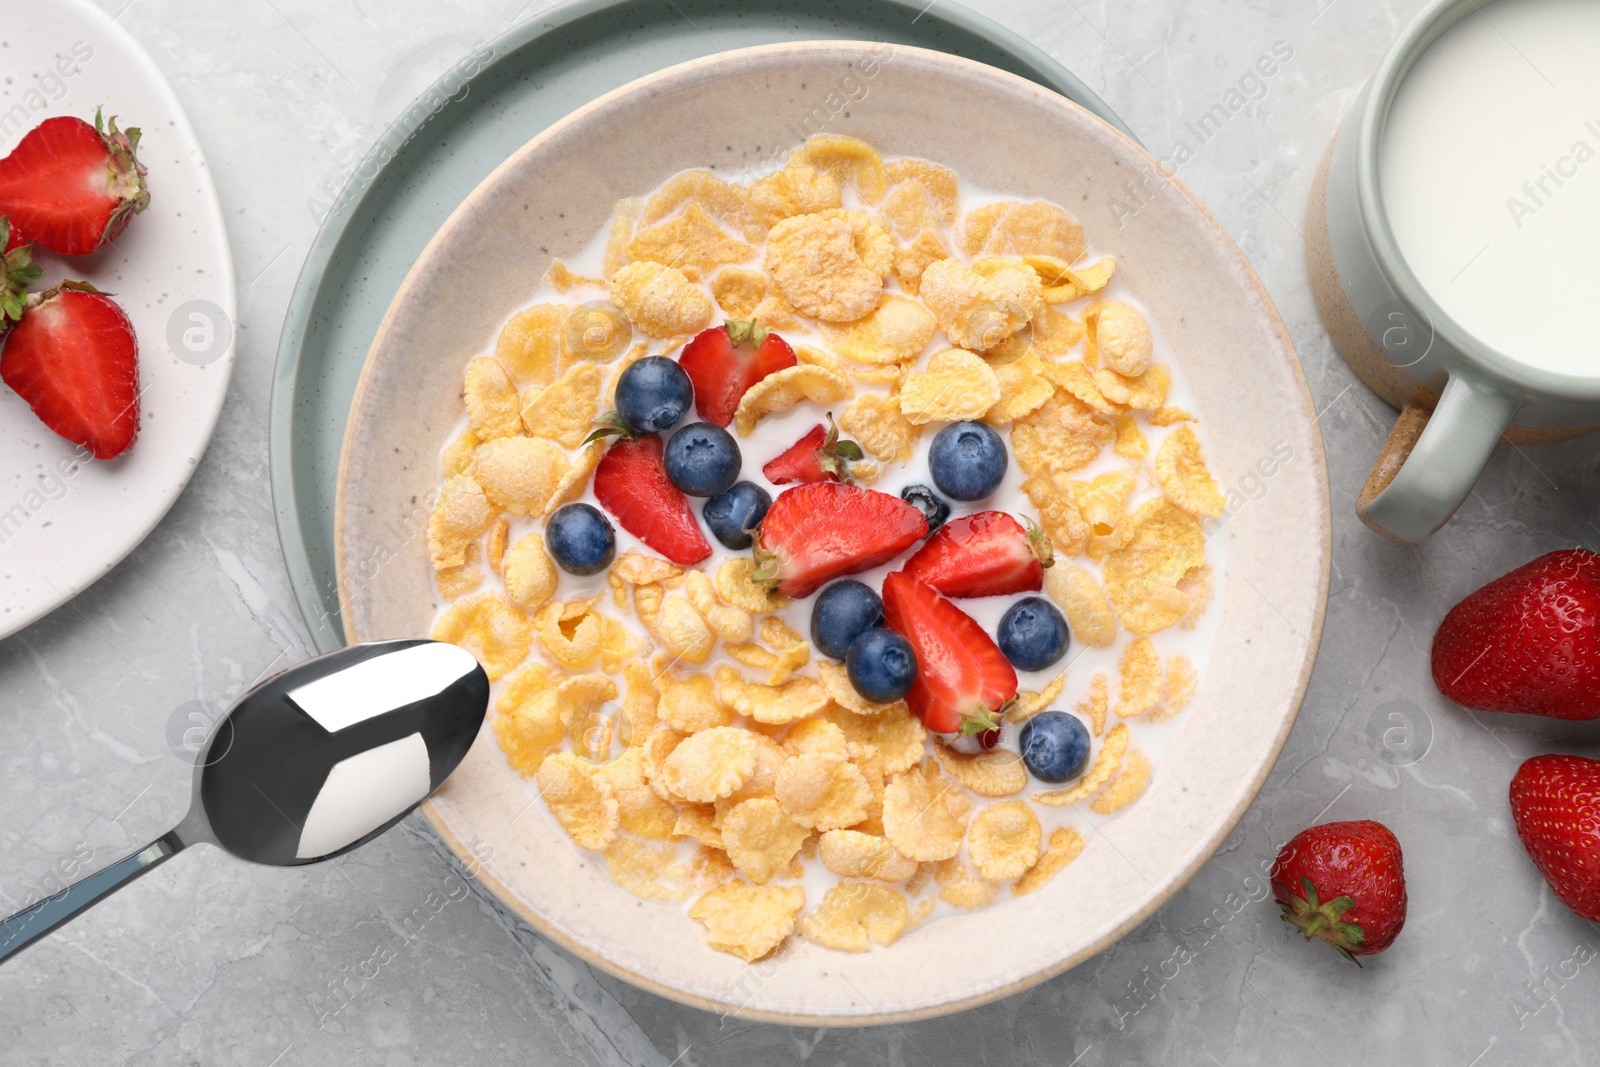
(745, 108)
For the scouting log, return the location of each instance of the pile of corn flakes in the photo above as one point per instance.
(673, 719)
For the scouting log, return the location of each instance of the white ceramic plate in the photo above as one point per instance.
(65, 522)
(738, 109)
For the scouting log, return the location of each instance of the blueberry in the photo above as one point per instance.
(734, 513)
(580, 539)
(967, 460)
(702, 459)
(1032, 634)
(652, 394)
(843, 612)
(881, 665)
(1055, 746)
(934, 509)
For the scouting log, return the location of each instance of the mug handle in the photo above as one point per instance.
(1430, 462)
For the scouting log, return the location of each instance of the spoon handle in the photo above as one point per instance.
(36, 920)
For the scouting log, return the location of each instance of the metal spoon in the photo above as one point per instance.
(311, 763)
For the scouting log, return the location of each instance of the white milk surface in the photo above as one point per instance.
(1491, 181)
(775, 433)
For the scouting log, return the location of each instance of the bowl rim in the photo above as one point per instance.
(695, 68)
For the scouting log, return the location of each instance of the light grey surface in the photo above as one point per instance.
(208, 961)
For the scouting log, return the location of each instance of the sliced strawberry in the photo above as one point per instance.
(820, 456)
(75, 360)
(988, 553)
(17, 273)
(816, 532)
(725, 361)
(72, 187)
(962, 676)
(631, 483)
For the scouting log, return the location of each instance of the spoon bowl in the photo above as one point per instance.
(312, 762)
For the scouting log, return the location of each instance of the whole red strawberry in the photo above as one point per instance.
(724, 361)
(1555, 801)
(72, 187)
(1343, 883)
(75, 360)
(1528, 642)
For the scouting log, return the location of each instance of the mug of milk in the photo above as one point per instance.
(1453, 241)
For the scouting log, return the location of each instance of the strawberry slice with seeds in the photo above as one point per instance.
(72, 187)
(988, 553)
(631, 483)
(963, 678)
(725, 361)
(75, 360)
(819, 531)
(820, 456)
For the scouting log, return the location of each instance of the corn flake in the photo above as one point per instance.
(737, 290)
(659, 300)
(837, 683)
(1181, 472)
(1129, 784)
(1119, 337)
(698, 821)
(830, 265)
(1169, 417)
(581, 802)
(1062, 434)
(530, 344)
(878, 426)
(1004, 841)
(1023, 388)
(1077, 593)
(1180, 685)
(997, 773)
(1054, 333)
(853, 916)
(851, 161)
(940, 183)
(649, 872)
(691, 242)
(852, 854)
(519, 475)
(912, 261)
(575, 481)
(1143, 576)
(489, 627)
(1140, 672)
(457, 456)
(737, 589)
(1131, 442)
(783, 389)
(1036, 229)
(760, 839)
(711, 764)
(1096, 704)
(815, 735)
(1078, 380)
(773, 705)
(1063, 284)
(1065, 844)
(528, 725)
(924, 814)
(978, 311)
(896, 331)
(1027, 703)
(491, 400)
(733, 625)
(956, 386)
(959, 886)
(1147, 392)
(530, 576)
(748, 921)
(688, 704)
(894, 732)
(823, 791)
(798, 189)
(460, 514)
(1105, 765)
(723, 201)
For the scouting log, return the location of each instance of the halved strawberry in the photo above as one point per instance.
(631, 483)
(17, 273)
(822, 530)
(962, 676)
(72, 187)
(987, 553)
(75, 360)
(724, 361)
(820, 456)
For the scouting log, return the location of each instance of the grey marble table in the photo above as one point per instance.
(394, 956)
